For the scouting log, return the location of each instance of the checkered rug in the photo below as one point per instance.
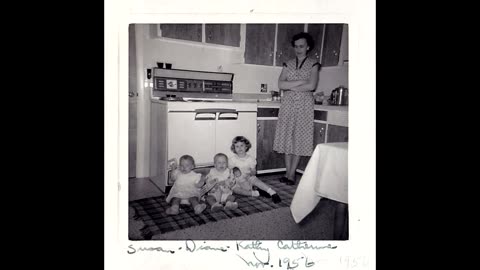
(152, 210)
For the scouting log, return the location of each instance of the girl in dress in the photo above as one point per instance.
(247, 166)
(186, 187)
(220, 196)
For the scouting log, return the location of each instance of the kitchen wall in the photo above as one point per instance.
(209, 57)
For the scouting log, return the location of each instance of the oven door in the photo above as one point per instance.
(192, 133)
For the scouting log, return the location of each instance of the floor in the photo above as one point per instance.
(139, 188)
(318, 225)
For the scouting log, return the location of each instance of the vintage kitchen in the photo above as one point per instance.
(194, 87)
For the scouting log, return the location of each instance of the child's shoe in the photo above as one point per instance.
(263, 193)
(199, 208)
(231, 205)
(216, 207)
(173, 210)
(275, 198)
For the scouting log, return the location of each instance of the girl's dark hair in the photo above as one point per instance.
(307, 37)
(236, 169)
(187, 157)
(240, 139)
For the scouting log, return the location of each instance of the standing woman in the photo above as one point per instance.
(299, 79)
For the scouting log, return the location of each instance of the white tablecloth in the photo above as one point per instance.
(326, 175)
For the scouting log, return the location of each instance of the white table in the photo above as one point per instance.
(326, 175)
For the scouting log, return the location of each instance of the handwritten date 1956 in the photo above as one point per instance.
(292, 264)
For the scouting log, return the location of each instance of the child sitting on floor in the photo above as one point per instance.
(186, 187)
(221, 183)
(247, 165)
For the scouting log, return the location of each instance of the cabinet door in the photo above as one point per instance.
(223, 34)
(316, 30)
(318, 137)
(192, 134)
(331, 44)
(191, 32)
(337, 134)
(285, 50)
(267, 159)
(259, 44)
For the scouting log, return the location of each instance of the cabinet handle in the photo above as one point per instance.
(321, 130)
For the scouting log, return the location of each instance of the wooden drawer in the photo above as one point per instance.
(267, 112)
(320, 115)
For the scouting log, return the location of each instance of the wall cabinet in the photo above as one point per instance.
(331, 44)
(259, 44)
(223, 34)
(285, 50)
(192, 32)
(337, 134)
(316, 30)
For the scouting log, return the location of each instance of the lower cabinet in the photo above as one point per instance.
(271, 161)
(337, 134)
(318, 137)
(267, 159)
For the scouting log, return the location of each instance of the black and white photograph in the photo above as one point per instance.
(238, 131)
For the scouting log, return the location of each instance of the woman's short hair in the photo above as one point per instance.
(307, 37)
(240, 139)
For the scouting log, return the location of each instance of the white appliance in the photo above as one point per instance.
(200, 128)
(205, 129)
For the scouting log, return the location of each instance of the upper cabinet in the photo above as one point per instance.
(316, 31)
(285, 50)
(331, 44)
(260, 44)
(223, 34)
(191, 32)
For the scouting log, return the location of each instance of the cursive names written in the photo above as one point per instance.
(301, 245)
(250, 245)
(191, 246)
(133, 250)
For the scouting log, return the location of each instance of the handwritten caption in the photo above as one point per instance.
(251, 253)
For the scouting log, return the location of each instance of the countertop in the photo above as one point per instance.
(269, 103)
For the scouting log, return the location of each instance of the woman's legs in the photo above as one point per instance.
(293, 166)
(288, 162)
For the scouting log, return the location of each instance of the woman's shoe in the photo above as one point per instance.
(283, 179)
(290, 182)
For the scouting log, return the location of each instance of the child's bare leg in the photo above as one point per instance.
(231, 204)
(175, 208)
(244, 192)
(197, 206)
(214, 204)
